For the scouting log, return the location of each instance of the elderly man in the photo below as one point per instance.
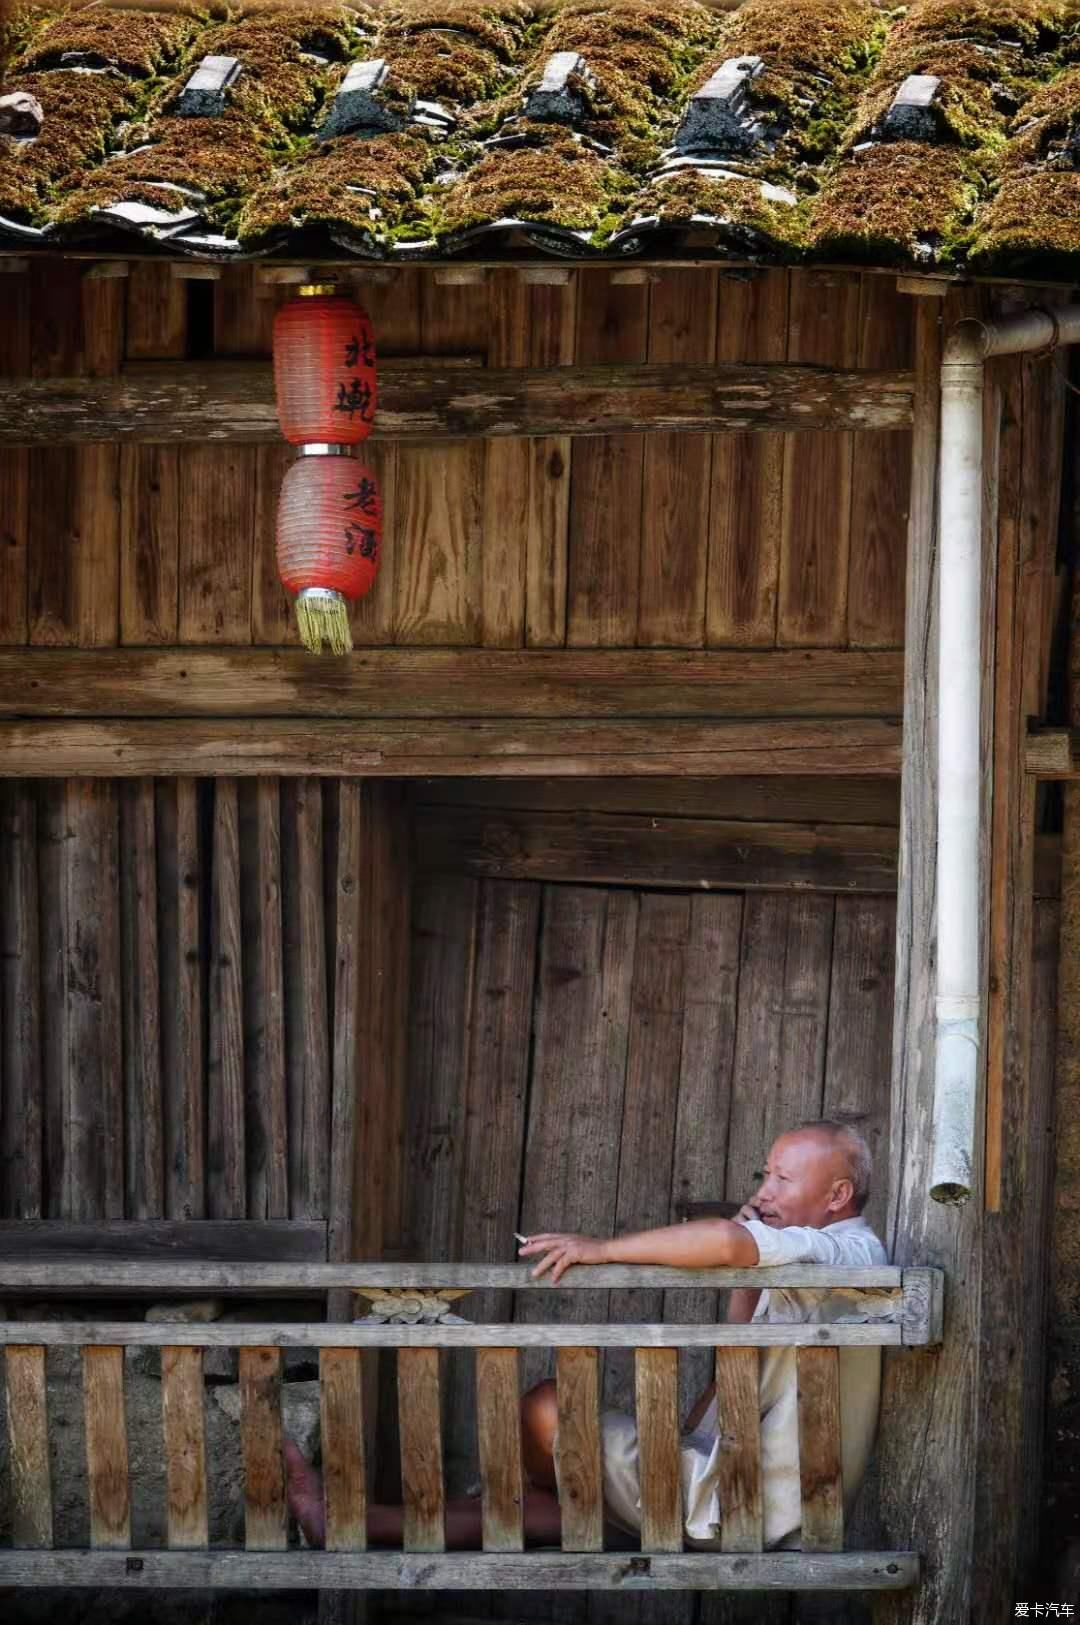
(808, 1209)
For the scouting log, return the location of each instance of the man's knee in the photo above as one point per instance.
(540, 1411)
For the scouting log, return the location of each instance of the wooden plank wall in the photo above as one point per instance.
(166, 998)
(668, 540)
(590, 1057)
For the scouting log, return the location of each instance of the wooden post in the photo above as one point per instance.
(927, 1490)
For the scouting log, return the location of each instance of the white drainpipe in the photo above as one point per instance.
(967, 348)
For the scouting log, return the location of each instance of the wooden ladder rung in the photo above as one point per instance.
(498, 1427)
(420, 1418)
(580, 1471)
(184, 1430)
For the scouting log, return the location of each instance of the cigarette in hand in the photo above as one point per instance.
(523, 1239)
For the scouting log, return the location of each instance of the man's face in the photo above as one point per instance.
(801, 1185)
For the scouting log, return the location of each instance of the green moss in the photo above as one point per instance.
(556, 180)
(81, 112)
(340, 184)
(746, 219)
(449, 67)
(1033, 24)
(1032, 225)
(136, 42)
(497, 28)
(897, 202)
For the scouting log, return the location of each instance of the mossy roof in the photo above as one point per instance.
(460, 155)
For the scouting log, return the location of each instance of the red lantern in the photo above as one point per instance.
(324, 368)
(329, 532)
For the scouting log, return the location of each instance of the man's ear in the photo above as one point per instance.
(842, 1192)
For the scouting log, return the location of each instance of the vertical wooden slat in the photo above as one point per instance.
(106, 1448)
(552, 343)
(156, 312)
(498, 1431)
(266, 1121)
(881, 481)
(94, 1166)
(605, 491)
(52, 545)
(226, 1183)
(265, 1527)
(307, 1047)
(217, 518)
(15, 361)
(816, 523)
(28, 1445)
(421, 1450)
(21, 1081)
(104, 302)
(348, 967)
(273, 619)
(578, 1450)
(677, 474)
(738, 1423)
(820, 1477)
(149, 544)
(243, 313)
(52, 914)
(436, 548)
(143, 1106)
(184, 1431)
(182, 1039)
(657, 1403)
(341, 1402)
(747, 475)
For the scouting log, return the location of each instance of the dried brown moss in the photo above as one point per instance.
(1030, 23)
(137, 42)
(202, 155)
(557, 181)
(339, 184)
(897, 202)
(279, 88)
(1032, 224)
(81, 112)
(498, 28)
(443, 66)
(746, 217)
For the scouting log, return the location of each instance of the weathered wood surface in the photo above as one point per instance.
(591, 848)
(466, 1571)
(265, 1527)
(578, 1464)
(804, 800)
(521, 1334)
(28, 1446)
(183, 1240)
(184, 1437)
(21, 1150)
(420, 1420)
(221, 401)
(226, 1183)
(106, 1446)
(416, 750)
(657, 1406)
(819, 1450)
(342, 1435)
(447, 682)
(181, 948)
(140, 988)
(270, 1279)
(307, 1038)
(739, 1485)
(498, 1430)
(1053, 753)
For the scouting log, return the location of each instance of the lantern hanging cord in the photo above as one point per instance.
(323, 617)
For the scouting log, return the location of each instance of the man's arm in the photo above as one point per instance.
(699, 1244)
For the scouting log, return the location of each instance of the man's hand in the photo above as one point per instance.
(747, 1211)
(561, 1251)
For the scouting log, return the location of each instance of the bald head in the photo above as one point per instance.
(851, 1152)
(815, 1175)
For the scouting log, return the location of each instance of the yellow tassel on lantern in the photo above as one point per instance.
(323, 617)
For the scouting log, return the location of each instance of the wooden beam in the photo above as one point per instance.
(225, 1241)
(538, 1571)
(643, 850)
(222, 401)
(417, 682)
(421, 749)
(1053, 753)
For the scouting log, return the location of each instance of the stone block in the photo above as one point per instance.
(718, 116)
(559, 97)
(914, 114)
(206, 93)
(21, 115)
(362, 102)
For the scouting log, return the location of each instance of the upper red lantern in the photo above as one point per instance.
(324, 368)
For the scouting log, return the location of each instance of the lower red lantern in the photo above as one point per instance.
(329, 533)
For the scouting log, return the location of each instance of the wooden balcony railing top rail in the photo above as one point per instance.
(412, 1308)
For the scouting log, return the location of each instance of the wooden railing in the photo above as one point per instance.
(410, 1308)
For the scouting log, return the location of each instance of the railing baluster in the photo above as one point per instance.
(106, 1448)
(820, 1476)
(28, 1438)
(184, 1429)
(739, 1424)
(341, 1402)
(421, 1450)
(656, 1385)
(265, 1527)
(498, 1426)
(579, 1466)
